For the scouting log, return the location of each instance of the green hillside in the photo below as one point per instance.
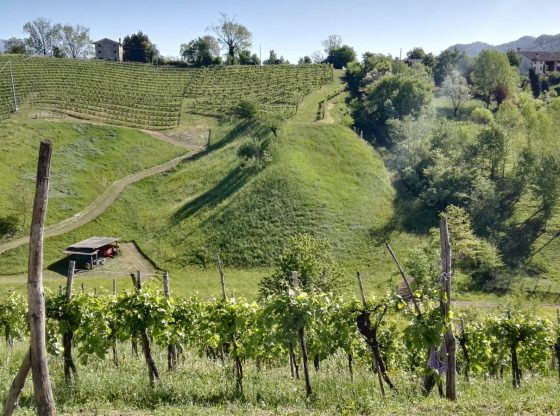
(323, 180)
(88, 159)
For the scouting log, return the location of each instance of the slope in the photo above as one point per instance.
(323, 180)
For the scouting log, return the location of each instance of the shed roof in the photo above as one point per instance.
(92, 243)
(541, 56)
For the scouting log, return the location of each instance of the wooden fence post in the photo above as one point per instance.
(303, 345)
(153, 373)
(36, 359)
(445, 304)
(69, 367)
(171, 348)
(222, 276)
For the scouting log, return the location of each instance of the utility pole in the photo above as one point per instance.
(15, 105)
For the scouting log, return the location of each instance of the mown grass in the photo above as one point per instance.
(202, 386)
(86, 159)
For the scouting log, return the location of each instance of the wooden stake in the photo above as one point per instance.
(114, 286)
(302, 343)
(153, 373)
(17, 386)
(171, 348)
(35, 294)
(401, 271)
(222, 276)
(361, 286)
(445, 305)
(69, 367)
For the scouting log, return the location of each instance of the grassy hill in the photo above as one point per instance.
(88, 158)
(323, 180)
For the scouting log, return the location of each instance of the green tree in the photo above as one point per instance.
(305, 60)
(341, 56)
(42, 36)
(246, 58)
(535, 82)
(16, 46)
(447, 62)
(273, 59)
(398, 96)
(456, 88)
(232, 36)
(493, 77)
(75, 41)
(513, 58)
(203, 51)
(331, 43)
(492, 148)
(416, 53)
(138, 48)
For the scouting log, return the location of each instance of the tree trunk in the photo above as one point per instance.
(35, 294)
(69, 367)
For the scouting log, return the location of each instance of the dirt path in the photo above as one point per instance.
(328, 119)
(106, 199)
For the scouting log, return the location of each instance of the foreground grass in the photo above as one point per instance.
(201, 386)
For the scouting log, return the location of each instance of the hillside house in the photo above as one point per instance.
(541, 62)
(109, 50)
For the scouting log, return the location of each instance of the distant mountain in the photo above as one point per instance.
(530, 43)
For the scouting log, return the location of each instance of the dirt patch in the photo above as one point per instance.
(129, 260)
(193, 139)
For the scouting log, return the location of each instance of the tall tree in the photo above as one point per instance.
(16, 46)
(202, 51)
(76, 42)
(273, 59)
(331, 43)
(341, 56)
(232, 36)
(493, 78)
(138, 48)
(43, 36)
(245, 58)
(513, 58)
(456, 88)
(305, 60)
(416, 53)
(449, 61)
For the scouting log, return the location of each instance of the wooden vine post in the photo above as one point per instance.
(302, 343)
(445, 305)
(515, 371)
(238, 366)
(153, 373)
(69, 367)
(171, 348)
(370, 334)
(557, 344)
(36, 359)
(114, 346)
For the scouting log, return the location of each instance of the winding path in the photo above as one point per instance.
(106, 199)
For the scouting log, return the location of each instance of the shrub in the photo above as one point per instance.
(482, 116)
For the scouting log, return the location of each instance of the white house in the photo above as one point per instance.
(541, 62)
(109, 50)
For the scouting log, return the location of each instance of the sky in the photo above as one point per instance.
(294, 28)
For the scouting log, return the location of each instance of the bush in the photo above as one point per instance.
(482, 116)
(247, 109)
(312, 259)
(9, 225)
(255, 154)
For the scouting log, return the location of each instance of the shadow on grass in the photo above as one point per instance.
(229, 185)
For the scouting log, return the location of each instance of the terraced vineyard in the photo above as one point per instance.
(144, 96)
(278, 89)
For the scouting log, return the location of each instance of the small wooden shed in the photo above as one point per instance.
(92, 250)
